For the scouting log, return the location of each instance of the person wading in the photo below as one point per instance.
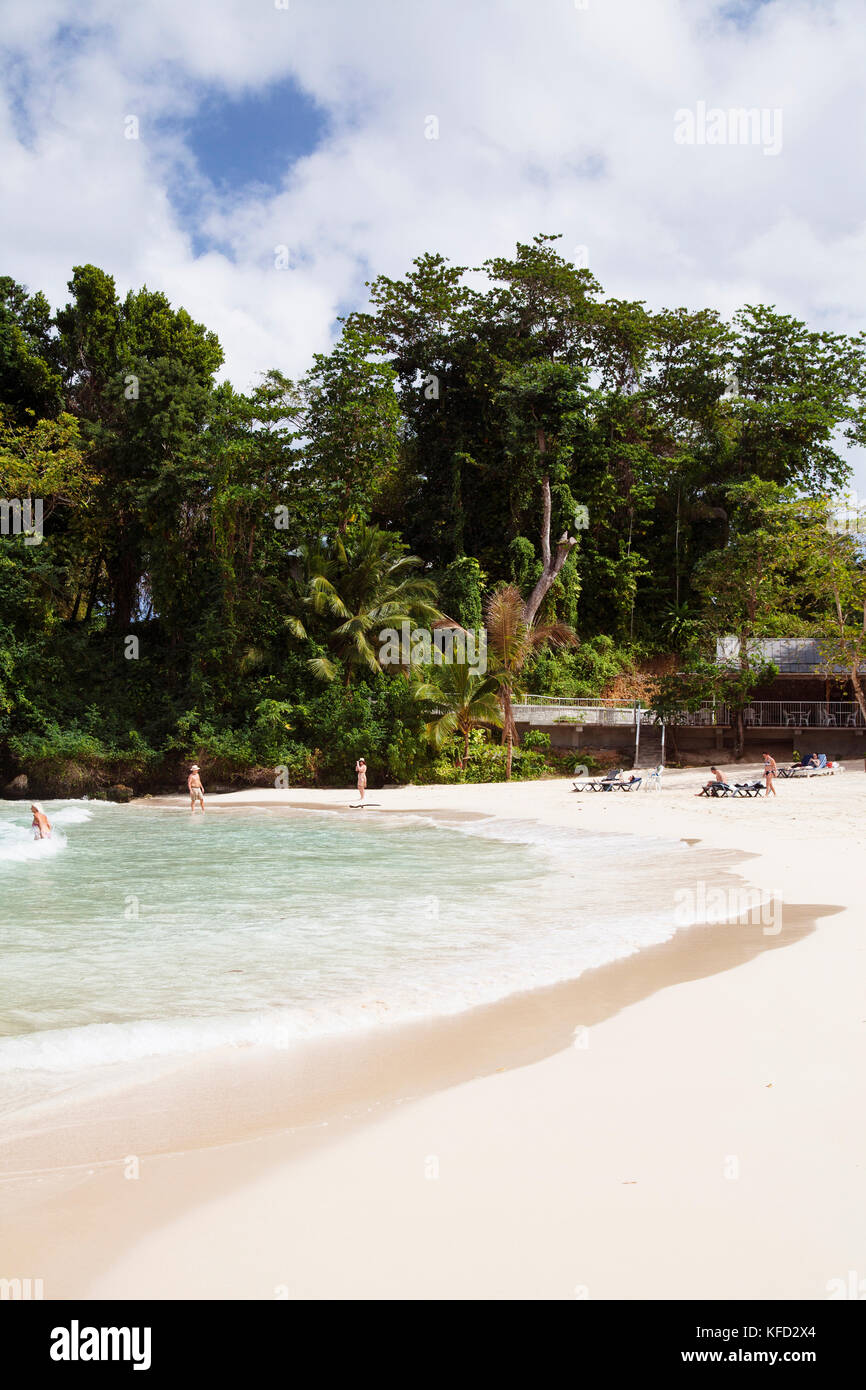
(196, 790)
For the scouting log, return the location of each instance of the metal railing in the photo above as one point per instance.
(555, 709)
(803, 714)
(764, 714)
(576, 701)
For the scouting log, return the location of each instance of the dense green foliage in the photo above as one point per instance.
(216, 567)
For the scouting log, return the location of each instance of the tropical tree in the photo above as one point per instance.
(462, 699)
(512, 640)
(355, 586)
(749, 587)
(832, 571)
(350, 424)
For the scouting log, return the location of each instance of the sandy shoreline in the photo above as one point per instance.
(704, 1138)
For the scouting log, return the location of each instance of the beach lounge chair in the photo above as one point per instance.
(611, 781)
(807, 768)
(733, 789)
(748, 788)
(717, 789)
(599, 784)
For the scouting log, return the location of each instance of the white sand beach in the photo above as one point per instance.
(697, 1130)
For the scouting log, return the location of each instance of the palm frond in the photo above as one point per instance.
(322, 668)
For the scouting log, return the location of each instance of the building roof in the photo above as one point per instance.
(792, 655)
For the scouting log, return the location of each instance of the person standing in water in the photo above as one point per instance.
(196, 790)
(361, 769)
(41, 824)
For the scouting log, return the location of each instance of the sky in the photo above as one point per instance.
(259, 160)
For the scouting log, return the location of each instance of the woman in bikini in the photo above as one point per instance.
(361, 769)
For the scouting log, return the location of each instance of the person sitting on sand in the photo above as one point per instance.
(196, 790)
(41, 824)
(361, 769)
(716, 780)
(770, 770)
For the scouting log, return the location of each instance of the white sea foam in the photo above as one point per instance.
(396, 1000)
(18, 846)
(17, 842)
(71, 815)
(152, 938)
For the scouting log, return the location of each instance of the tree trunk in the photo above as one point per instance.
(508, 730)
(858, 688)
(677, 555)
(94, 588)
(671, 728)
(739, 721)
(739, 735)
(552, 563)
(124, 573)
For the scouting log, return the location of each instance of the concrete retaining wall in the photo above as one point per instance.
(703, 746)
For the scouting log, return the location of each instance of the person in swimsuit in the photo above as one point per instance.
(361, 769)
(196, 790)
(716, 780)
(770, 771)
(41, 824)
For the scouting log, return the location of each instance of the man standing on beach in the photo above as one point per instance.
(196, 790)
(361, 769)
(770, 771)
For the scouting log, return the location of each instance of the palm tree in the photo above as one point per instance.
(462, 700)
(512, 640)
(367, 582)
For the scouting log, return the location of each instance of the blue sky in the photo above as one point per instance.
(305, 128)
(254, 138)
(244, 145)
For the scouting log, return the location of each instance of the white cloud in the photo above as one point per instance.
(551, 118)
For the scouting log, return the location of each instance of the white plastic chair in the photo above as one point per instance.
(654, 781)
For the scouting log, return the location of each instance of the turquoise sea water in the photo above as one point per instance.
(141, 932)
